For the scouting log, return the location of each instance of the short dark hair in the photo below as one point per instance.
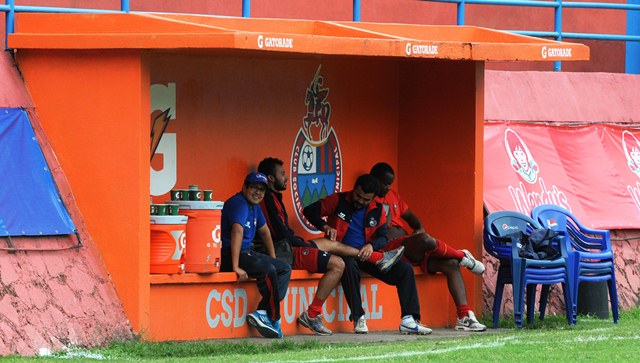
(268, 165)
(381, 169)
(368, 183)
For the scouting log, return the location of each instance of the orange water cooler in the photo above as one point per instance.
(167, 244)
(203, 244)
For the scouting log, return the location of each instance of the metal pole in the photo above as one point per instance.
(557, 65)
(124, 6)
(460, 19)
(356, 10)
(9, 22)
(632, 61)
(246, 8)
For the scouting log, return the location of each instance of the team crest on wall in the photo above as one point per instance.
(316, 163)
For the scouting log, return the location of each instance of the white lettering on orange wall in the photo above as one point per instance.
(233, 304)
(229, 307)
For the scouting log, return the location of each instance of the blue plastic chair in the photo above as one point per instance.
(522, 273)
(589, 251)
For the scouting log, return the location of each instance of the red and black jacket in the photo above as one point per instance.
(277, 218)
(337, 209)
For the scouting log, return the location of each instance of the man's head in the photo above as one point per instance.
(386, 176)
(255, 185)
(274, 170)
(366, 188)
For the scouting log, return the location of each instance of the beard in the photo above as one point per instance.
(279, 186)
(358, 206)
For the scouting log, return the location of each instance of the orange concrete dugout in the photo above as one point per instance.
(240, 90)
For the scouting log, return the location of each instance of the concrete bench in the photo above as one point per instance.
(206, 306)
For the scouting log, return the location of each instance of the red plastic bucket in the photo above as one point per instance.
(167, 244)
(202, 253)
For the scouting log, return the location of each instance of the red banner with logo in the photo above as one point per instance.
(593, 171)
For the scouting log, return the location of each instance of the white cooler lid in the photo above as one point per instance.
(197, 204)
(169, 219)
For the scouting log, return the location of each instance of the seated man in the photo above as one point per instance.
(241, 219)
(431, 254)
(310, 255)
(357, 219)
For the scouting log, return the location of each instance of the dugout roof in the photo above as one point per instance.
(194, 32)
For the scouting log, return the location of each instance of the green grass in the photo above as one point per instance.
(552, 340)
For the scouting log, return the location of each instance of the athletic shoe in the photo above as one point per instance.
(470, 323)
(315, 324)
(414, 328)
(471, 263)
(264, 325)
(389, 259)
(360, 326)
(276, 326)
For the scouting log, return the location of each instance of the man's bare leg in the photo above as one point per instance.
(312, 318)
(382, 260)
(451, 269)
(336, 248)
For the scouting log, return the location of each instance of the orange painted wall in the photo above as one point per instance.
(232, 112)
(94, 108)
(440, 154)
(218, 310)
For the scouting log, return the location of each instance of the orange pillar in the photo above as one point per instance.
(94, 108)
(440, 155)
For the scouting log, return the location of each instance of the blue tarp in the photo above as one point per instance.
(30, 204)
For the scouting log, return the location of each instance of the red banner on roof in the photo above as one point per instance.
(593, 171)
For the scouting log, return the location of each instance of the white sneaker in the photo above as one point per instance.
(414, 328)
(360, 326)
(471, 263)
(470, 323)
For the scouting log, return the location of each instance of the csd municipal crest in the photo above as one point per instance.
(316, 163)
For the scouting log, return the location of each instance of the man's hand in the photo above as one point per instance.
(365, 252)
(242, 274)
(330, 233)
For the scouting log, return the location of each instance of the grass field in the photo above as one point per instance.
(552, 340)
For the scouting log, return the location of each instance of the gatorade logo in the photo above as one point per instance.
(411, 49)
(183, 241)
(556, 52)
(274, 42)
(215, 234)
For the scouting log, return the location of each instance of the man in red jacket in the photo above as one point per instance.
(356, 219)
(431, 254)
(318, 255)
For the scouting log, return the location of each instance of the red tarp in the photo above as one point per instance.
(593, 171)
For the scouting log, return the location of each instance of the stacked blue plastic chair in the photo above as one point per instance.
(522, 273)
(589, 251)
